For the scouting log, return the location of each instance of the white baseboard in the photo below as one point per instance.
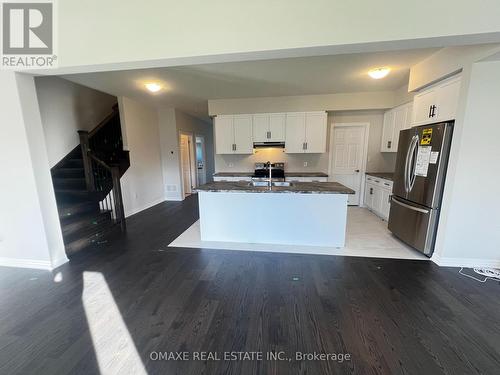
(465, 262)
(32, 263)
(144, 207)
(26, 263)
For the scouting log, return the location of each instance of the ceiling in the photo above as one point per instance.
(188, 88)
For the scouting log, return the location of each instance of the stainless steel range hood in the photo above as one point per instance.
(268, 144)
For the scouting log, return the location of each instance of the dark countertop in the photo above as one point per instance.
(385, 175)
(296, 187)
(287, 174)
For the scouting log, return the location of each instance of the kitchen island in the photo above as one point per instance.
(299, 213)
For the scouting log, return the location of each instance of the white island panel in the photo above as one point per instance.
(276, 218)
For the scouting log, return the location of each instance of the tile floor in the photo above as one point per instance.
(367, 236)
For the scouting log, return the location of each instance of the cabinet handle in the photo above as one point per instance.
(430, 111)
(268, 135)
(433, 111)
(389, 143)
(371, 191)
(303, 146)
(306, 145)
(389, 198)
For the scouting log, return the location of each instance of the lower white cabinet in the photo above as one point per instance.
(378, 193)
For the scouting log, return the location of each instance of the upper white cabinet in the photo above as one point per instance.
(395, 120)
(233, 134)
(302, 132)
(437, 103)
(305, 132)
(269, 127)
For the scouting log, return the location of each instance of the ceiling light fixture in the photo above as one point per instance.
(379, 73)
(153, 87)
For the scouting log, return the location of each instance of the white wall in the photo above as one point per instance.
(377, 161)
(171, 122)
(228, 27)
(327, 102)
(142, 183)
(30, 235)
(65, 108)
(469, 232)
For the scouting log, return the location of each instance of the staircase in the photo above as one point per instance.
(87, 186)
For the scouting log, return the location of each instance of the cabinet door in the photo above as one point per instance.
(316, 133)
(387, 132)
(447, 100)
(377, 199)
(277, 127)
(409, 115)
(399, 124)
(261, 128)
(243, 134)
(386, 205)
(369, 195)
(422, 104)
(295, 133)
(224, 135)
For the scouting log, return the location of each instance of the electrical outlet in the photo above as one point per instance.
(231, 165)
(305, 164)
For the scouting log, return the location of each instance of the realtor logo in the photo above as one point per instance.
(28, 35)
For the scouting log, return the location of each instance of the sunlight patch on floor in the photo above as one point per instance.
(114, 347)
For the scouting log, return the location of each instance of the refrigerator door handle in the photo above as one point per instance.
(422, 210)
(412, 177)
(409, 159)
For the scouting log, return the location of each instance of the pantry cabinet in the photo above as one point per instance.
(437, 103)
(395, 120)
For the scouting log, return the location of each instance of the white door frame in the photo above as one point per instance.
(364, 159)
(192, 152)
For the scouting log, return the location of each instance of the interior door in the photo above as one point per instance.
(295, 133)
(243, 140)
(224, 135)
(316, 132)
(347, 159)
(186, 164)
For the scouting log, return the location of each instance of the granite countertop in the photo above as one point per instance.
(385, 175)
(296, 187)
(287, 174)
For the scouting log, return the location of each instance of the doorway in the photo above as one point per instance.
(349, 148)
(201, 168)
(188, 169)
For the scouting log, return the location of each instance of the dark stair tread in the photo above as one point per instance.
(69, 182)
(86, 226)
(92, 240)
(69, 209)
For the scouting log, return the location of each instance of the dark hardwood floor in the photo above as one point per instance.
(390, 316)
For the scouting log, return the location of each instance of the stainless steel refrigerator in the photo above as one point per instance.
(419, 179)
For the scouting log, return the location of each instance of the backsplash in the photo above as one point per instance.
(293, 162)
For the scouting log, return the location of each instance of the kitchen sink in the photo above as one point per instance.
(275, 183)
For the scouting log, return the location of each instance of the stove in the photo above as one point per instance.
(262, 171)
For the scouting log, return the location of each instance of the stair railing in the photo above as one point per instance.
(102, 149)
(106, 179)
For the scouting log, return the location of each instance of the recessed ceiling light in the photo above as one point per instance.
(379, 73)
(153, 87)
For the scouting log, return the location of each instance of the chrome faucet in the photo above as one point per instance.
(270, 167)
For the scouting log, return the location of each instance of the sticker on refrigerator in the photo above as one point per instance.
(434, 157)
(426, 137)
(422, 162)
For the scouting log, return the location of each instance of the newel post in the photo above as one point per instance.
(117, 196)
(87, 165)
